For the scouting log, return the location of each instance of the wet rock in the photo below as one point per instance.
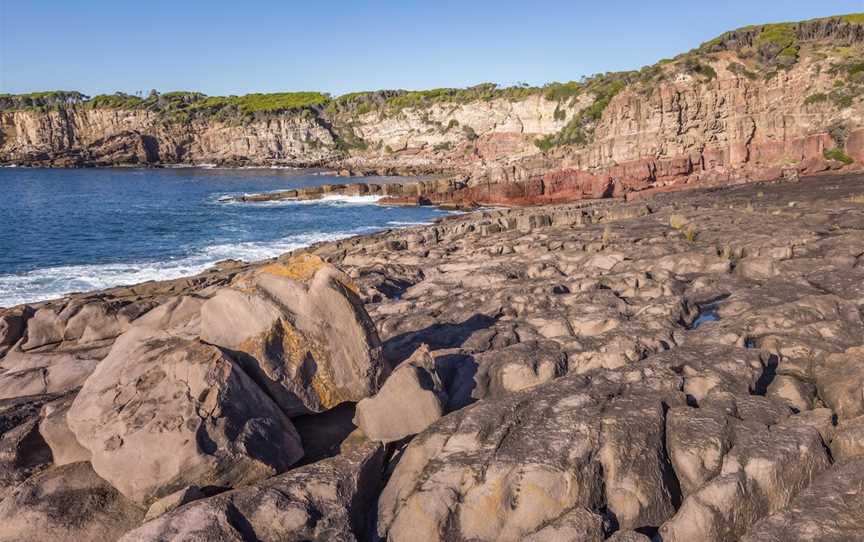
(327, 500)
(163, 412)
(409, 401)
(299, 329)
(69, 503)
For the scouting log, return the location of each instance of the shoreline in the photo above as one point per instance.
(410, 230)
(627, 323)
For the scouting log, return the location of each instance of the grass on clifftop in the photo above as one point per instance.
(253, 103)
(173, 106)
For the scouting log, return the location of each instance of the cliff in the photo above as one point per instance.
(756, 103)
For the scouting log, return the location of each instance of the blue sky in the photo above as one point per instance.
(221, 47)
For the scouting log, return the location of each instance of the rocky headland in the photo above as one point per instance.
(757, 103)
(685, 368)
(587, 364)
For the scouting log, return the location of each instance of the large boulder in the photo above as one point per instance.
(328, 500)
(66, 504)
(410, 400)
(163, 412)
(300, 330)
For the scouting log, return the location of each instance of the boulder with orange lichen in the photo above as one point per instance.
(298, 327)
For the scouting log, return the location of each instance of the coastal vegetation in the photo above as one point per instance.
(838, 155)
(580, 129)
(755, 53)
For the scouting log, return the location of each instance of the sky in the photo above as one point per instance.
(221, 48)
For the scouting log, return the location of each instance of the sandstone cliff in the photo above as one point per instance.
(755, 103)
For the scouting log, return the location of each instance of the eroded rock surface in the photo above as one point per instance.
(328, 500)
(686, 366)
(69, 503)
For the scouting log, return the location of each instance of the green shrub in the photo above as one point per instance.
(559, 114)
(117, 100)
(558, 92)
(469, 132)
(841, 99)
(693, 66)
(779, 43)
(545, 143)
(47, 100)
(741, 70)
(837, 155)
(579, 130)
(253, 103)
(445, 146)
(819, 97)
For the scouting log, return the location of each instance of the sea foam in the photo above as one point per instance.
(52, 282)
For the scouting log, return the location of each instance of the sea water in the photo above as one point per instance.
(74, 230)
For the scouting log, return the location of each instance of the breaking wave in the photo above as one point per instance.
(52, 282)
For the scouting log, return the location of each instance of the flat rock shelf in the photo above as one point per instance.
(682, 368)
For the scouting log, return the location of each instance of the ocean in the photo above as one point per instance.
(75, 230)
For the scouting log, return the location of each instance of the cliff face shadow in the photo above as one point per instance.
(437, 336)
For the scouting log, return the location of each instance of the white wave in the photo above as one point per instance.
(53, 282)
(330, 199)
(400, 223)
(356, 200)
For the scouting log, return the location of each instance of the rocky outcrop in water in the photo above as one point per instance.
(685, 367)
